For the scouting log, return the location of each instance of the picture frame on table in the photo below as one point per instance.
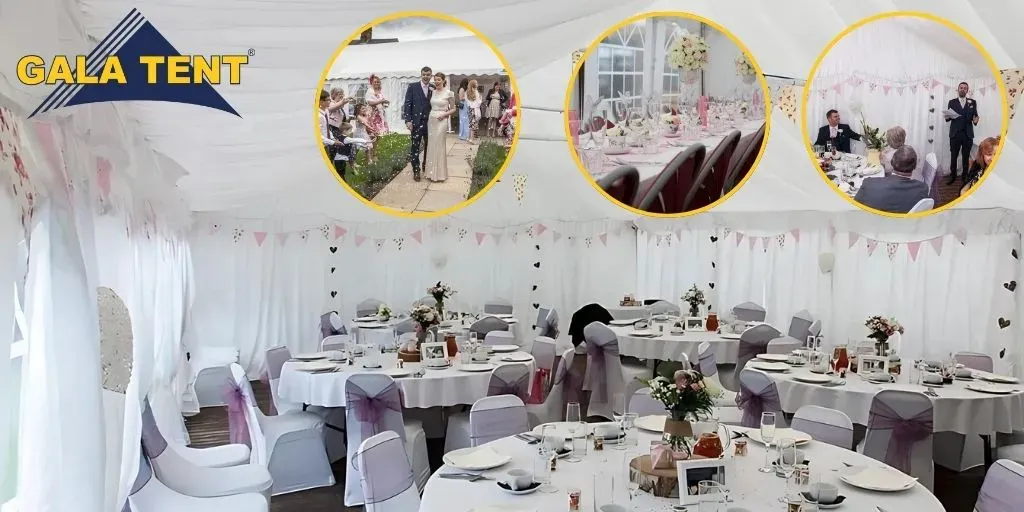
(872, 364)
(691, 472)
(694, 323)
(430, 351)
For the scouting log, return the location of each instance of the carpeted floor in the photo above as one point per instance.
(956, 491)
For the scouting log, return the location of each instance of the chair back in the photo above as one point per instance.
(549, 326)
(386, 475)
(244, 417)
(331, 324)
(743, 159)
(498, 307)
(495, 417)
(706, 362)
(510, 379)
(923, 205)
(824, 425)
(500, 338)
(663, 307)
(373, 404)
(814, 329)
(335, 343)
(542, 314)
(368, 307)
(585, 316)
(405, 326)
(800, 325)
(642, 404)
(604, 378)
(758, 394)
(1003, 488)
(276, 357)
(754, 342)
(749, 312)
(667, 193)
(622, 184)
(975, 361)
(707, 186)
(899, 433)
(929, 170)
(487, 324)
(142, 478)
(544, 351)
(785, 345)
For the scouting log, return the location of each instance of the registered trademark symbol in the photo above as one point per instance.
(252, 52)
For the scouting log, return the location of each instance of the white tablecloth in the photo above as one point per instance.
(437, 388)
(957, 409)
(748, 488)
(668, 347)
(627, 312)
(385, 336)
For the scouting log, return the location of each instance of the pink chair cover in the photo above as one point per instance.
(510, 379)
(491, 424)
(369, 410)
(1003, 489)
(754, 403)
(385, 468)
(153, 442)
(238, 427)
(601, 344)
(906, 432)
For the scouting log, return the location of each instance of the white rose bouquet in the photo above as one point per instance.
(743, 66)
(384, 312)
(689, 52)
(425, 317)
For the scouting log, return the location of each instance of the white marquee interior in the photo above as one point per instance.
(218, 231)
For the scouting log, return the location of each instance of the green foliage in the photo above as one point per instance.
(392, 156)
(872, 136)
(489, 158)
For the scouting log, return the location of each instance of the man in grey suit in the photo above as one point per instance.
(897, 192)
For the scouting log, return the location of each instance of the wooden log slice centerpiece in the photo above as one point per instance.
(661, 483)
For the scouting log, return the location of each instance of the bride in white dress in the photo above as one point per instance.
(442, 106)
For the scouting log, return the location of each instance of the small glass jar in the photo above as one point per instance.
(575, 498)
(741, 447)
(598, 443)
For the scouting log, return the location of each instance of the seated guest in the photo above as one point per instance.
(897, 192)
(986, 151)
(839, 133)
(895, 138)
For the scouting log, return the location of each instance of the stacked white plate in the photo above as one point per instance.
(316, 356)
(729, 336)
(801, 438)
(504, 348)
(475, 459)
(476, 367)
(994, 389)
(398, 373)
(768, 366)
(641, 334)
(813, 378)
(999, 379)
(875, 478)
(650, 423)
(517, 357)
(778, 358)
(316, 366)
(624, 322)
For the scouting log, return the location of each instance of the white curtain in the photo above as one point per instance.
(670, 263)
(11, 235)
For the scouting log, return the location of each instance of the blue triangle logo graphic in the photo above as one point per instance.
(132, 38)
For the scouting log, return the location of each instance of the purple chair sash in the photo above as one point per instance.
(906, 432)
(749, 351)
(369, 410)
(238, 426)
(595, 379)
(754, 404)
(385, 471)
(153, 442)
(519, 387)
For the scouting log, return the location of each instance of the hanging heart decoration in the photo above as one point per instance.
(536, 247)
(1002, 353)
(1013, 253)
(714, 239)
(333, 249)
(534, 287)
(1012, 285)
(931, 141)
(536, 265)
(932, 127)
(711, 285)
(932, 110)
(713, 264)
(1003, 323)
(334, 294)
(333, 269)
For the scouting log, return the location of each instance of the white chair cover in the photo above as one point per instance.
(929, 170)
(800, 325)
(814, 329)
(487, 324)
(276, 357)
(368, 307)
(899, 433)
(498, 307)
(923, 205)
(825, 425)
(210, 370)
(335, 343)
(544, 352)
(500, 338)
(753, 342)
(150, 495)
(642, 404)
(548, 327)
(1003, 489)
(785, 345)
(758, 394)
(553, 408)
(495, 417)
(975, 360)
(334, 440)
(709, 368)
(604, 378)
(749, 312)
(663, 307)
(387, 478)
(510, 379)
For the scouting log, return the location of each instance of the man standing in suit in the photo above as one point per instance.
(840, 134)
(896, 192)
(961, 130)
(415, 112)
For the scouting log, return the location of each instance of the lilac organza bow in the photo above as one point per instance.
(754, 404)
(519, 387)
(238, 426)
(595, 379)
(906, 432)
(370, 410)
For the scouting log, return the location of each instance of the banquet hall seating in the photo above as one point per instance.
(641, 403)
(335, 343)
(210, 370)
(179, 473)
(548, 326)
(331, 324)
(368, 307)
(708, 367)
(743, 158)
(929, 171)
(710, 180)
(622, 184)
(406, 326)
(334, 436)
(149, 494)
(429, 300)
(666, 192)
(487, 324)
(974, 360)
(289, 445)
(495, 417)
(785, 345)
(899, 433)
(543, 351)
(606, 376)
(815, 328)
(1003, 488)
(373, 404)
(663, 307)
(584, 317)
(498, 307)
(749, 312)
(758, 394)
(499, 338)
(754, 342)
(553, 407)
(507, 379)
(387, 477)
(824, 425)
(923, 205)
(800, 325)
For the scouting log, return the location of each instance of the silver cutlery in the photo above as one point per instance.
(470, 477)
(930, 392)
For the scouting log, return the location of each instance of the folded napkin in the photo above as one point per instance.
(662, 456)
(880, 478)
(480, 457)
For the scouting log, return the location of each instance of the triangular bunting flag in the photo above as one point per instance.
(214, 228)
(796, 234)
(890, 249)
(417, 235)
(725, 232)
(739, 238)
(885, 89)
(282, 238)
(497, 238)
(838, 88)
(480, 238)
(765, 241)
(604, 238)
(1014, 80)
(339, 231)
(871, 245)
(260, 236)
(913, 248)
(831, 232)
(936, 244)
(751, 241)
(555, 236)
(359, 240)
(379, 242)
(540, 228)
(961, 235)
(853, 239)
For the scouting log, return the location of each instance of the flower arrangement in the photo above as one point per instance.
(670, 119)
(384, 312)
(743, 66)
(689, 52)
(425, 317)
(695, 298)
(617, 131)
(685, 397)
(882, 329)
(440, 292)
(872, 136)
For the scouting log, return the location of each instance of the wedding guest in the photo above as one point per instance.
(473, 102)
(363, 129)
(836, 132)
(508, 121)
(895, 138)
(897, 192)
(463, 110)
(327, 138)
(961, 130)
(986, 151)
(495, 100)
(374, 97)
(337, 115)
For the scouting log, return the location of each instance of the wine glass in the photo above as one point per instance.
(632, 481)
(629, 437)
(574, 421)
(787, 463)
(767, 435)
(710, 496)
(546, 451)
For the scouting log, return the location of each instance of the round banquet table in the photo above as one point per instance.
(668, 347)
(957, 409)
(627, 312)
(383, 333)
(438, 388)
(747, 487)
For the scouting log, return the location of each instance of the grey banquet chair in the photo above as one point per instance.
(487, 324)
(800, 325)
(368, 307)
(498, 307)
(667, 192)
(749, 312)
(709, 181)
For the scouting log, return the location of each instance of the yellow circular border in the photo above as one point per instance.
(512, 83)
(666, 14)
(955, 28)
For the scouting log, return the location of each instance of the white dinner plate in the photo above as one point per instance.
(316, 366)
(505, 315)
(641, 334)
(315, 356)
(993, 389)
(476, 367)
(768, 366)
(1001, 379)
(729, 336)
(371, 325)
(778, 358)
(504, 348)
(371, 318)
(615, 151)
(650, 423)
(476, 458)
(781, 433)
(517, 357)
(874, 478)
(813, 378)
(622, 323)
(398, 373)
(562, 429)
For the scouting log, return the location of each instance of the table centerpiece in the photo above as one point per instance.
(689, 53)
(687, 400)
(440, 292)
(695, 298)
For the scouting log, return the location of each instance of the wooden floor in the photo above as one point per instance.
(956, 491)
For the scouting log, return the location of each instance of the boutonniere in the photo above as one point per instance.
(839, 130)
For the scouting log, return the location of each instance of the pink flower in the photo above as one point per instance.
(682, 379)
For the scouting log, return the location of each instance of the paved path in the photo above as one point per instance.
(403, 193)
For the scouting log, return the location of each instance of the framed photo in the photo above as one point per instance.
(694, 323)
(691, 472)
(430, 351)
(872, 364)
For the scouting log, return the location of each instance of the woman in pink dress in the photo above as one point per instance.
(378, 103)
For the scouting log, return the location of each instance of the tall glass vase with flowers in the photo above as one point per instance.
(881, 330)
(695, 298)
(426, 318)
(687, 400)
(440, 292)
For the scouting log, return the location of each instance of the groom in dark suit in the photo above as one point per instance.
(840, 134)
(961, 130)
(415, 113)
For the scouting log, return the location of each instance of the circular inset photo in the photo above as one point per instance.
(666, 114)
(416, 114)
(904, 114)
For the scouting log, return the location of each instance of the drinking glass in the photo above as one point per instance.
(573, 421)
(632, 481)
(710, 496)
(787, 463)
(543, 474)
(621, 405)
(604, 490)
(629, 439)
(767, 435)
